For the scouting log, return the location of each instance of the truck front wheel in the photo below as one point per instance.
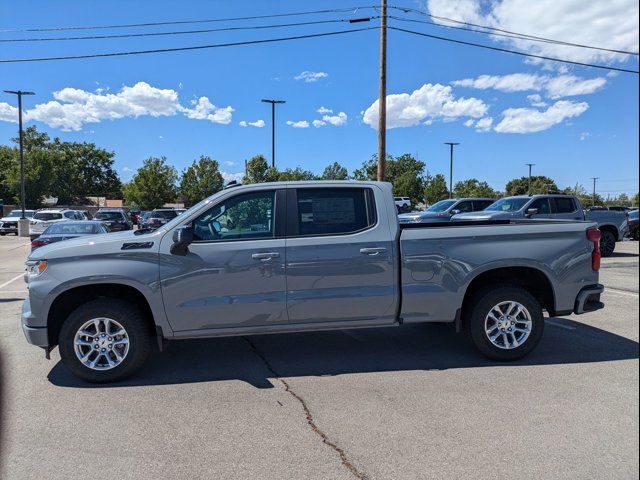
(506, 323)
(104, 340)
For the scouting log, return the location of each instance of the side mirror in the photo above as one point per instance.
(455, 211)
(182, 238)
(531, 211)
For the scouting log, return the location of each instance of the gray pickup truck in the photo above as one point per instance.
(303, 256)
(612, 224)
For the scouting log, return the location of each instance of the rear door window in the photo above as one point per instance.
(333, 211)
(481, 204)
(565, 205)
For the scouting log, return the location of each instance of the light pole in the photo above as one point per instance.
(594, 189)
(530, 165)
(23, 223)
(273, 127)
(451, 145)
(382, 94)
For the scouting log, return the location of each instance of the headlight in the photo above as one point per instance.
(35, 268)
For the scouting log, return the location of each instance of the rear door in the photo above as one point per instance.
(339, 256)
(566, 208)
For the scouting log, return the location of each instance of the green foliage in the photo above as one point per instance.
(474, 188)
(153, 185)
(259, 171)
(405, 173)
(539, 185)
(436, 189)
(335, 171)
(634, 200)
(585, 197)
(65, 170)
(200, 180)
(295, 174)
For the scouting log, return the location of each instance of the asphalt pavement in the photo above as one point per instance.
(396, 403)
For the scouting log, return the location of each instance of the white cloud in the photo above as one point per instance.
(8, 113)
(318, 123)
(584, 136)
(554, 87)
(324, 110)
(298, 124)
(431, 101)
(484, 124)
(72, 107)
(228, 177)
(336, 120)
(128, 169)
(204, 110)
(469, 123)
(612, 24)
(310, 77)
(536, 100)
(257, 124)
(527, 120)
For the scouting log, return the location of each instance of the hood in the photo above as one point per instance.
(107, 243)
(11, 219)
(483, 215)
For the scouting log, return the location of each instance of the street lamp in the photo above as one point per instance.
(23, 223)
(529, 165)
(594, 189)
(451, 144)
(273, 127)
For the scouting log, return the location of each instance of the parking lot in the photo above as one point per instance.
(411, 402)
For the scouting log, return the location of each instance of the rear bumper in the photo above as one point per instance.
(38, 336)
(588, 300)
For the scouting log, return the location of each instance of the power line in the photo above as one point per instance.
(504, 50)
(523, 36)
(184, 22)
(182, 32)
(514, 35)
(182, 49)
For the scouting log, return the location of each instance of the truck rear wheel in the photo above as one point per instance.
(506, 323)
(607, 243)
(104, 340)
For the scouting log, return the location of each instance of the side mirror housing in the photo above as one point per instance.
(531, 211)
(455, 211)
(182, 238)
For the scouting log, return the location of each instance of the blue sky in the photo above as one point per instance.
(572, 122)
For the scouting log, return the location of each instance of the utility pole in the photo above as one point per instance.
(382, 94)
(451, 145)
(594, 189)
(23, 223)
(530, 165)
(273, 128)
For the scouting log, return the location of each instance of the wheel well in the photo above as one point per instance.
(71, 299)
(531, 279)
(610, 228)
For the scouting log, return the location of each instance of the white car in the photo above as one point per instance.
(9, 224)
(402, 203)
(43, 218)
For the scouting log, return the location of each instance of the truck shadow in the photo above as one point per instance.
(410, 347)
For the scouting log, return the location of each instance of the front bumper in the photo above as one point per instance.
(8, 229)
(588, 300)
(38, 336)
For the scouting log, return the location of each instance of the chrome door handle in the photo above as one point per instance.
(265, 256)
(373, 251)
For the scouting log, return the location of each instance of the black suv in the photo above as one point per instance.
(116, 220)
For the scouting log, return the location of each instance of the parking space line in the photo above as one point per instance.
(621, 292)
(556, 324)
(11, 281)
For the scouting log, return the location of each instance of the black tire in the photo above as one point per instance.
(125, 313)
(480, 306)
(607, 243)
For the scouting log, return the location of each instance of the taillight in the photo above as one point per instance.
(593, 234)
(37, 243)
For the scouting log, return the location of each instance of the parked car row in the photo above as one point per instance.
(612, 222)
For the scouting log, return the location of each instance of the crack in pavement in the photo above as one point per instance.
(323, 436)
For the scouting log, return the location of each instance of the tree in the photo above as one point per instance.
(585, 197)
(259, 171)
(200, 180)
(436, 189)
(474, 188)
(335, 171)
(153, 185)
(634, 200)
(539, 184)
(293, 174)
(405, 173)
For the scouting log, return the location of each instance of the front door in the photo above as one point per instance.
(339, 256)
(233, 274)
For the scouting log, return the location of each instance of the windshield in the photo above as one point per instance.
(108, 216)
(72, 228)
(441, 206)
(46, 216)
(508, 204)
(163, 214)
(18, 213)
